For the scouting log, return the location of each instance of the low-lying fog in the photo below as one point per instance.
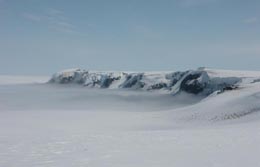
(72, 97)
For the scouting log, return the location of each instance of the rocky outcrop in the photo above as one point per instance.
(199, 82)
(158, 86)
(69, 76)
(133, 81)
(192, 81)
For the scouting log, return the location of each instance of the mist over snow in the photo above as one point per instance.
(202, 117)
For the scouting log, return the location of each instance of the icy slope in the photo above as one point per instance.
(240, 105)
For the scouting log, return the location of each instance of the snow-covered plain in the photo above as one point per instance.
(64, 125)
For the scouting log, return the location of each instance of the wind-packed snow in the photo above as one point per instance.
(203, 117)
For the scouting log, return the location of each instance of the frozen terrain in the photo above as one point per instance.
(204, 118)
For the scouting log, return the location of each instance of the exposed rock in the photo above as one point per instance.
(198, 82)
(157, 86)
(133, 81)
(106, 80)
(195, 82)
(256, 80)
(175, 77)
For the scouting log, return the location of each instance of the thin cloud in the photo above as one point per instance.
(191, 3)
(62, 26)
(54, 11)
(31, 17)
(251, 20)
(146, 32)
(54, 19)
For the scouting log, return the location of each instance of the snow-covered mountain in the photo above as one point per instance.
(201, 81)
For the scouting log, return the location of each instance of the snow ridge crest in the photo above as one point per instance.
(191, 81)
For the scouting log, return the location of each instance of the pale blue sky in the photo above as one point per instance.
(45, 36)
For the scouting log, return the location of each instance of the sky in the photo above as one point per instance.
(40, 37)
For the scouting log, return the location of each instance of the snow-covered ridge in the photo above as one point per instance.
(201, 81)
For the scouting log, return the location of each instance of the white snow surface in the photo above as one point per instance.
(53, 125)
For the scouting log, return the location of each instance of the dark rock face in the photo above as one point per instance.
(133, 81)
(100, 80)
(66, 80)
(256, 80)
(191, 84)
(106, 80)
(227, 88)
(93, 81)
(175, 77)
(157, 86)
(200, 83)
